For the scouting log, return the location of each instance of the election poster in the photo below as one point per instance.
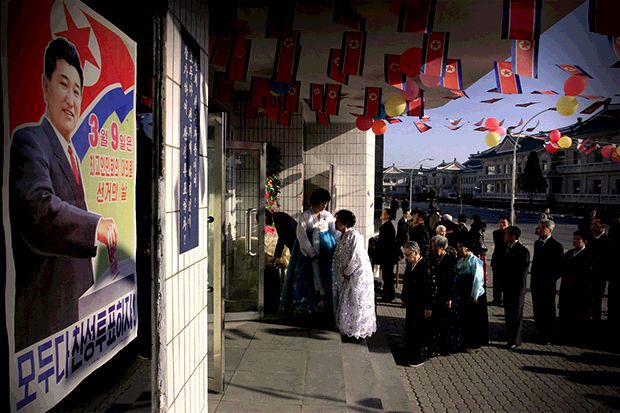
(68, 199)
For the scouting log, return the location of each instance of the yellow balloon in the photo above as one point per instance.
(567, 105)
(618, 150)
(395, 106)
(492, 139)
(565, 142)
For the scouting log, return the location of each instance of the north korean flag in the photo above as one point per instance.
(331, 106)
(416, 16)
(316, 96)
(521, 19)
(574, 70)
(322, 118)
(391, 69)
(239, 59)
(603, 17)
(222, 89)
(222, 45)
(291, 100)
(287, 57)
(525, 57)
(435, 53)
(333, 67)
(353, 52)
(507, 81)
(284, 118)
(422, 127)
(372, 102)
(453, 77)
(415, 107)
(260, 92)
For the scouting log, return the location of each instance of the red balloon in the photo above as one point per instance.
(412, 90)
(551, 147)
(606, 151)
(491, 124)
(363, 123)
(379, 127)
(410, 61)
(555, 135)
(575, 84)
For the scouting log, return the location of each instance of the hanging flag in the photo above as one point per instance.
(544, 92)
(525, 57)
(507, 81)
(603, 17)
(422, 127)
(222, 89)
(592, 148)
(291, 100)
(460, 93)
(221, 50)
(454, 127)
(581, 144)
(322, 118)
(502, 122)
(454, 122)
(491, 100)
(452, 97)
(533, 127)
(288, 51)
(331, 106)
(239, 59)
(260, 92)
(574, 70)
(333, 67)
(346, 15)
(280, 18)
(392, 73)
(353, 51)
(416, 16)
(372, 102)
(392, 121)
(284, 118)
(481, 129)
(525, 105)
(591, 97)
(434, 53)
(479, 123)
(494, 90)
(316, 96)
(521, 19)
(453, 77)
(518, 124)
(415, 107)
(592, 108)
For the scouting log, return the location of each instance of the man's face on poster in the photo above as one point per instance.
(63, 96)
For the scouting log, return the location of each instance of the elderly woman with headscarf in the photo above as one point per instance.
(353, 284)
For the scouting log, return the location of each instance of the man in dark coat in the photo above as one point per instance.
(418, 232)
(393, 207)
(285, 228)
(600, 249)
(499, 251)
(386, 254)
(516, 263)
(546, 269)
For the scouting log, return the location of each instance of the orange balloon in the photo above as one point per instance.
(379, 127)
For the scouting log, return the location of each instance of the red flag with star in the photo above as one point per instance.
(603, 17)
(416, 16)
(507, 81)
(372, 102)
(331, 106)
(353, 53)
(525, 57)
(288, 51)
(322, 118)
(521, 19)
(260, 92)
(415, 107)
(434, 53)
(316, 96)
(333, 67)
(291, 100)
(453, 77)
(392, 73)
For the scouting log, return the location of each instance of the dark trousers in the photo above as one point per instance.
(475, 323)
(598, 286)
(513, 315)
(543, 303)
(498, 286)
(387, 274)
(418, 335)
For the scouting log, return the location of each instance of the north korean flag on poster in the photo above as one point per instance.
(222, 89)
(316, 96)
(331, 105)
(372, 102)
(322, 118)
(453, 77)
(415, 107)
(574, 70)
(353, 52)
(416, 16)
(603, 17)
(288, 51)
(521, 19)
(239, 59)
(391, 69)
(507, 81)
(220, 52)
(435, 53)
(260, 92)
(333, 67)
(291, 100)
(525, 57)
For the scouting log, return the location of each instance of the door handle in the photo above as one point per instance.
(209, 287)
(248, 231)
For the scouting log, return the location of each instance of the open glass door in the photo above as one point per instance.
(215, 267)
(244, 222)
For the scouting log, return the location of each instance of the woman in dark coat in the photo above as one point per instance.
(419, 297)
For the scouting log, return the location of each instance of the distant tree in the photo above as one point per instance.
(531, 180)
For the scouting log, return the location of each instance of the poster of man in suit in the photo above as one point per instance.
(69, 196)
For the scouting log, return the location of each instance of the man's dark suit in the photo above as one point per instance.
(517, 263)
(600, 251)
(53, 235)
(499, 251)
(285, 227)
(419, 234)
(546, 269)
(386, 254)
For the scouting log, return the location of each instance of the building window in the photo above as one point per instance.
(617, 188)
(545, 166)
(596, 186)
(491, 170)
(576, 187)
(490, 188)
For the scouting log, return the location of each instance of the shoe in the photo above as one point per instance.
(512, 346)
(415, 364)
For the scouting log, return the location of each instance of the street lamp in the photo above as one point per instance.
(411, 179)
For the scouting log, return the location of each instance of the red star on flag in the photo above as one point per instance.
(79, 37)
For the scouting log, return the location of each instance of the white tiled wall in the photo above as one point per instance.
(182, 377)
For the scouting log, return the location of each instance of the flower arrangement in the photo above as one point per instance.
(272, 181)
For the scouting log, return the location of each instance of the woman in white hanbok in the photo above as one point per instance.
(353, 282)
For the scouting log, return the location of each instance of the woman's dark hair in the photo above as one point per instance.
(60, 48)
(346, 218)
(462, 218)
(319, 196)
(581, 234)
(466, 241)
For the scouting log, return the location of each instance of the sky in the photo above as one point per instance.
(567, 42)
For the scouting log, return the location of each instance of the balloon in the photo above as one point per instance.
(565, 142)
(606, 151)
(567, 105)
(501, 131)
(492, 139)
(551, 147)
(429, 81)
(491, 124)
(395, 106)
(363, 123)
(555, 135)
(379, 127)
(618, 150)
(412, 90)
(410, 61)
(575, 84)
(615, 155)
